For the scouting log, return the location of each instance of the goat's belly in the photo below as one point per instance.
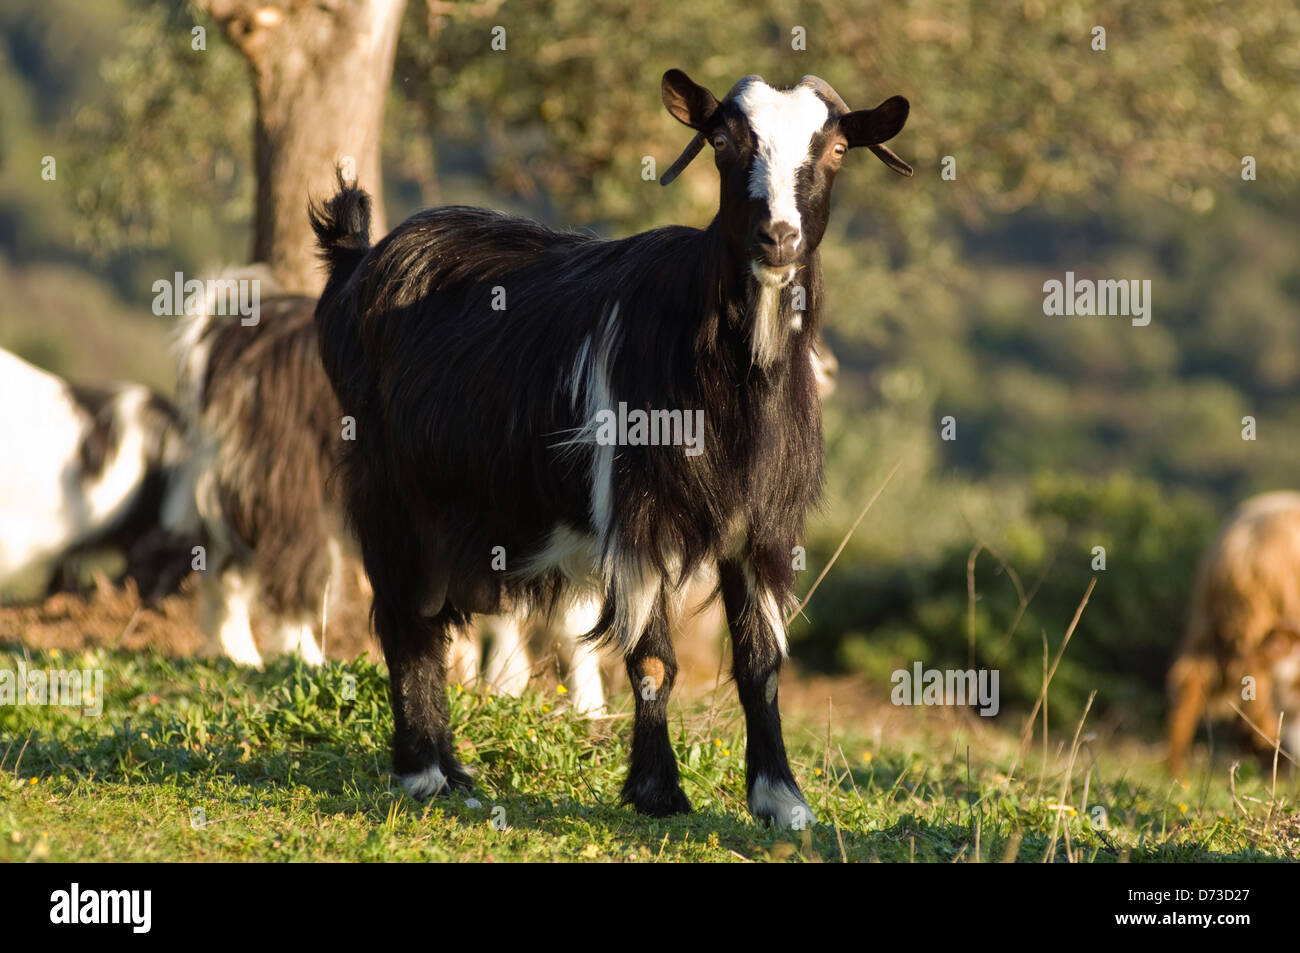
(564, 555)
(568, 552)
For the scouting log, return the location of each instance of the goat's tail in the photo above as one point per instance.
(342, 227)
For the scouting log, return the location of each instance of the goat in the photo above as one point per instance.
(251, 393)
(1244, 622)
(85, 468)
(515, 490)
(266, 430)
(264, 427)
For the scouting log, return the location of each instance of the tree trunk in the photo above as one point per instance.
(320, 73)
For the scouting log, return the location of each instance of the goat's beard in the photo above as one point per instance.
(772, 276)
(768, 334)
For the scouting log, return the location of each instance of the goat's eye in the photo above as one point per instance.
(719, 140)
(839, 149)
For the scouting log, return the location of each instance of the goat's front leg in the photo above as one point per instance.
(1263, 711)
(584, 678)
(757, 626)
(652, 781)
(225, 604)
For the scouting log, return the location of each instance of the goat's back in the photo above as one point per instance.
(1249, 578)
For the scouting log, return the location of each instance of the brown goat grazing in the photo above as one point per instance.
(1243, 633)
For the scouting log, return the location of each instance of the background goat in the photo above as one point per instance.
(86, 468)
(1244, 621)
(478, 351)
(264, 427)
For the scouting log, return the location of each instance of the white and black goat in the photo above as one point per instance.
(82, 469)
(483, 357)
(508, 665)
(266, 430)
(264, 426)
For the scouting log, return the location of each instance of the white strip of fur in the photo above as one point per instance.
(426, 783)
(769, 612)
(783, 124)
(600, 396)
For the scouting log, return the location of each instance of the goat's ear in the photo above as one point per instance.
(872, 127)
(687, 101)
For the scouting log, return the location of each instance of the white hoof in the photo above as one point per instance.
(425, 784)
(780, 804)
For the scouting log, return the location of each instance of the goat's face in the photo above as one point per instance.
(777, 152)
(1279, 655)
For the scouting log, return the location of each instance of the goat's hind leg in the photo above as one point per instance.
(293, 635)
(758, 646)
(415, 628)
(295, 562)
(508, 669)
(415, 648)
(652, 780)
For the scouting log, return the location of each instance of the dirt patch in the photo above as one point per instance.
(116, 618)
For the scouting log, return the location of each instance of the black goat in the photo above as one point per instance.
(490, 364)
(266, 432)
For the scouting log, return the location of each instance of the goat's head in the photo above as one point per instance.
(778, 151)
(1279, 655)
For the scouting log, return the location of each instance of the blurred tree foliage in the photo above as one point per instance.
(1071, 432)
(1013, 90)
(1183, 90)
(174, 133)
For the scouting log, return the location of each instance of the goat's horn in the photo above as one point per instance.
(891, 159)
(683, 160)
(819, 85)
(883, 152)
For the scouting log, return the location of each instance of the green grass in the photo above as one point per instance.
(285, 765)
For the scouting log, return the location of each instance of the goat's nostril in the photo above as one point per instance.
(782, 237)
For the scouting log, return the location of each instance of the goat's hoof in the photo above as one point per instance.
(436, 780)
(656, 800)
(670, 803)
(779, 803)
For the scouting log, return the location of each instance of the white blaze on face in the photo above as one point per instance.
(783, 124)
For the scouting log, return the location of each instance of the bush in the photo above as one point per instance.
(875, 620)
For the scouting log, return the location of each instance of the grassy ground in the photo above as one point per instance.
(204, 761)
